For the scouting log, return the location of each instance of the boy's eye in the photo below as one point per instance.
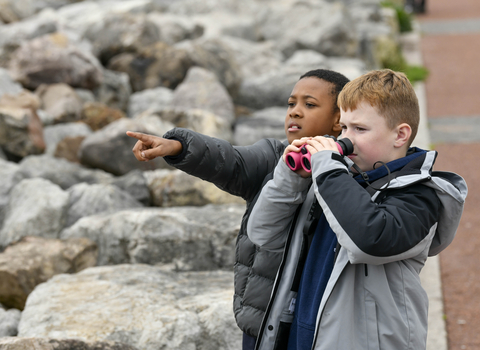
(291, 104)
(309, 105)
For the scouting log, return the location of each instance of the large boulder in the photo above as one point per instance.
(326, 27)
(9, 320)
(115, 90)
(34, 260)
(139, 305)
(97, 115)
(202, 90)
(55, 133)
(149, 100)
(176, 188)
(13, 34)
(199, 120)
(36, 207)
(14, 10)
(86, 199)
(190, 238)
(18, 343)
(21, 131)
(7, 84)
(174, 28)
(134, 183)
(10, 175)
(110, 149)
(155, 65)
(265, 123)
(54, 58)
(121, 32)
(60, 171)
(60, 102)
(215, 56)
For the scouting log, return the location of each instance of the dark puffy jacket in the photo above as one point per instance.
(241, 171)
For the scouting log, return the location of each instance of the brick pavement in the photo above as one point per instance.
(451, 51)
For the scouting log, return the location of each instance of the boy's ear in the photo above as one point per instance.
(336, 125)
(404, 131)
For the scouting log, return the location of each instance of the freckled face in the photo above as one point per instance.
(311, 110)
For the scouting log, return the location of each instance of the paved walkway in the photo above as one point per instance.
(450, 46)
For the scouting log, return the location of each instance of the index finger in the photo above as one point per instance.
(138, 135)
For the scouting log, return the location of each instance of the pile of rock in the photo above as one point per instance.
(98, 250)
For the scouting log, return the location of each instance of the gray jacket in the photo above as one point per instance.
(374, 299)
(241, 171)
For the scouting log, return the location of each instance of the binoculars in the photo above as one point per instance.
(295, 160)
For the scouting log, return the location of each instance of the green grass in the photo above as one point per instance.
(404, 18)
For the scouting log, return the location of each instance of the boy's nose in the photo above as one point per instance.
(295, 112)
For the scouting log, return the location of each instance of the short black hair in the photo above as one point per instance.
(337, 80)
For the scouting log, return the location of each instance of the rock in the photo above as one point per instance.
(86, 95)
(198, 120)
(10, 175)
(306, 60)
(349, 67)
(21, 132)
(21, 99)
(121, 32)
(34, 260)
(135, 183)
(155, 65)
(54, 59)
(36, 207)
(190, 238)
(215, 56)
(110, 149)
(202, 90)
(13, 10)
(265, 123)
(177, 188)
(150, 100)
(17, 343)
(254, 58)
(270, 89)
(326, 27)
(139, 305)
(9, 320)
(60, 101)
(115, 90)
(13, 34)
(7, 84)
(68, 148)
(56, 133)
(98, 115)
(173, 28)
(89, 199)
(60, 171)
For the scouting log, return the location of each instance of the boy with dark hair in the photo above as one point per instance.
(381, 212)
(242, 171)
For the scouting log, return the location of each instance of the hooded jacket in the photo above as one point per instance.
(373, 298)
(241, 171)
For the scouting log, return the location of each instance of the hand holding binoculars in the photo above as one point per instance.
(295, 160)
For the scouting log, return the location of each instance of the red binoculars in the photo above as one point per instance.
(295, 160)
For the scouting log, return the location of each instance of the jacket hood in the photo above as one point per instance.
(451, 190)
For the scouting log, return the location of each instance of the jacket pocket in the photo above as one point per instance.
(281, 342)
(372, 325)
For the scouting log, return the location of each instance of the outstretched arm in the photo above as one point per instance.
(149, 147)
